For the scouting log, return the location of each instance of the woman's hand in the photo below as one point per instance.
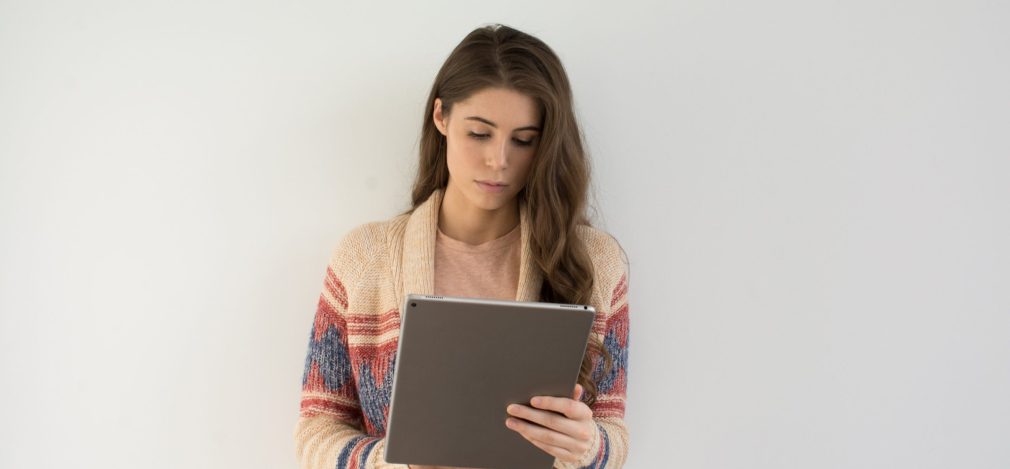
(565, 428)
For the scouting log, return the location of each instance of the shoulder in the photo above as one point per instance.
(603, 248)
(610, 261)
(360, 246)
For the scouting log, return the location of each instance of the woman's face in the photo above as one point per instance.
(491, 137)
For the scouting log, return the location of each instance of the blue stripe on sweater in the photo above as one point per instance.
(330, 353)
(605, 447)
(619, 355)
(374, 398)
(345, 455)
(366, 452)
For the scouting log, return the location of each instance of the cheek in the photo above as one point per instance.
(459, 158)
(470, 147)
(524, 160)
(466, 153)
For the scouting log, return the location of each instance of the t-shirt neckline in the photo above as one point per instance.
(494, 244)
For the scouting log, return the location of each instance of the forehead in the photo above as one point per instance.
(508, 108)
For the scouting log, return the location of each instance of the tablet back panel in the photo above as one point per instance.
(461, 361)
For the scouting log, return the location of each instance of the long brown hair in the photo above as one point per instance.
(500, 56)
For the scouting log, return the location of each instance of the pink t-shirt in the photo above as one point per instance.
(487, 270)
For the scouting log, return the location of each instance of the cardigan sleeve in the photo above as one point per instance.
(610, 447)
(328, 433)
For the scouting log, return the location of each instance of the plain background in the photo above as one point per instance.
(813, 195)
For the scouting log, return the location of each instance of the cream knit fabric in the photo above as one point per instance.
(351, 355)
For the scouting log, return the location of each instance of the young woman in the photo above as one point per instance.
(498, 212)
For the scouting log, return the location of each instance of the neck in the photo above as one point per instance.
(461, 220)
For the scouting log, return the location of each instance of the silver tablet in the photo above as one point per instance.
(461, 361)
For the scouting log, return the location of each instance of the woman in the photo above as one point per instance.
(498, 212)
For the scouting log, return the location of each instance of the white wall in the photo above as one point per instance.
(814, 196)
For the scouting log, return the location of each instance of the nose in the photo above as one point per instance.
(498, 156)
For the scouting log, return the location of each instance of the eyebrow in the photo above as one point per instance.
(492, 124)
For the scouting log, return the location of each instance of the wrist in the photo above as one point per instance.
(594, 447)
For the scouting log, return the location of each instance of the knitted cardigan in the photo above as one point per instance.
(352, 346)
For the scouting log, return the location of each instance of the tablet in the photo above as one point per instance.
(461, 361)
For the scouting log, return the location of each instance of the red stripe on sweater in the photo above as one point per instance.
(619, 291)
(326, 316)
(352, 461)
(373, 331)
(373, 325)
(370, 351)
(618, 323)
(599, 453)
(314, 382)
(608, 409)
(373, 318)
(355, 459)
(318, 405)
(336, 288)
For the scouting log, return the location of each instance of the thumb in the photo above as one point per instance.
(577, 395)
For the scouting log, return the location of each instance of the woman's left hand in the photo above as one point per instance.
(564, 427)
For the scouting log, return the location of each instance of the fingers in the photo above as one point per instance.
(556, 451)
(559, 426)
(550, 420)
(553, 442)
(571, 408)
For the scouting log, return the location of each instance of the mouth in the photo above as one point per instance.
(492, 187)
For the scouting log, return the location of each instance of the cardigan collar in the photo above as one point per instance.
(417, 267)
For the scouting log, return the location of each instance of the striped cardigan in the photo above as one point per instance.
(352, 346)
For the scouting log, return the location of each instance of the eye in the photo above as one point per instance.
(522, 143)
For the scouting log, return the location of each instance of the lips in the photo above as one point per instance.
(494, 188)
(492, 183)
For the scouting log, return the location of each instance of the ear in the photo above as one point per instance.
(437, 116)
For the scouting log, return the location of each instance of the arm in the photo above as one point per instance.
(328, 432)
(581, 436)
(610, 448)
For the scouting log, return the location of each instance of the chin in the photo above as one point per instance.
(491, 202)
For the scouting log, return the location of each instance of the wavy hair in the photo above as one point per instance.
(558, 182)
